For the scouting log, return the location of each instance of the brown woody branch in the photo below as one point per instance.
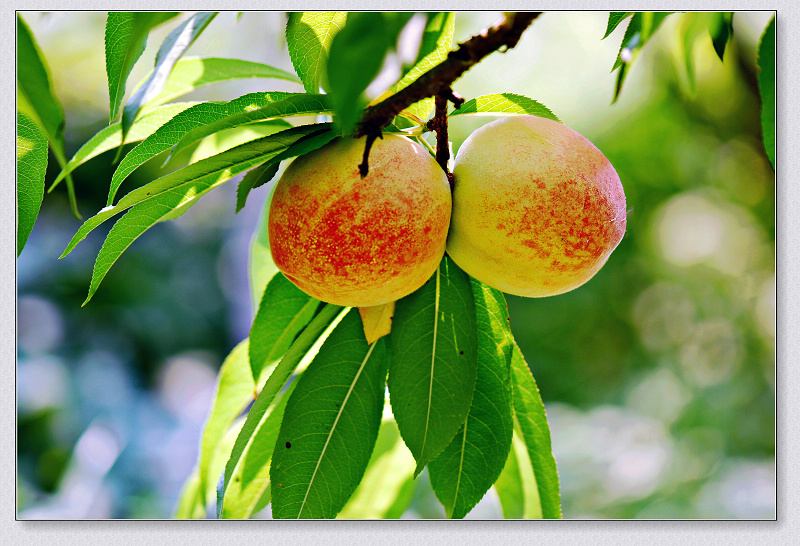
(438, 81)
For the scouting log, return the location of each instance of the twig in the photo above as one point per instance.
(504, 35)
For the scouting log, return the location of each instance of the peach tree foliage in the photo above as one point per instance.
(300, 417)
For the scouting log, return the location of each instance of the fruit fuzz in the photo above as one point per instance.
(537, 208)
(358, 241)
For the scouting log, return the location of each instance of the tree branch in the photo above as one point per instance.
(438, 80)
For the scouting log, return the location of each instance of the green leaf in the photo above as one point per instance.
(173, 194)
(261, 267)
(292, 104)
(33, 82)
(516, 486)
(173, 131)
(506, 104)
(437, 39)
(466, 469)
(191, 73)
(225, 140)
(721, 31)
(614, 19)
(206, 174)
(283, 313)
(175, 44)
(266, 172)
(434, 359)
(308, 38)
(31, 168)
(37, 100)
(126, 38)
(249, 488)
(388, 484)
(640, 29)
(110, 137)
(531, 422)
(235, 390)
(356, 57)
(330, 425)
(766, 87)
(317, 329)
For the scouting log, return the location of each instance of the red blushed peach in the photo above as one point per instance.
(358, 241)
(537, 208)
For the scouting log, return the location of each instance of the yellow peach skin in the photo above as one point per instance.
(537, 208)
(360, 241)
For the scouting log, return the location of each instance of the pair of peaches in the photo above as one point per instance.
(535, 210)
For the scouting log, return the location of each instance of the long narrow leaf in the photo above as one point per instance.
(34, 83)
(171, 132)
(37, 99)
(167, 199)
(170, 51)
(330, 425)
(506, 104)
(110, 137)
(125, 39)
(249, 489)
(308, 38)
(283, 313)
(434, 359)
(191, 73)
(531, 422)
(298, 104)
(193, 179)
(614, 19)
(31, 168)
(284, 369)
(466, 469)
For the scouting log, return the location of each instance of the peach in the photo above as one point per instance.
(358, 241)
(537, 208)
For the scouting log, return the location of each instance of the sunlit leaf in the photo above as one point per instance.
(173, 131)
(283, 313)
(516, 486)
(387, 487)
(125, 40)
(531, 423)
(308, 38)
(437, 39)
(31, 168)
(466, 469)
(249, 488)
(434, 360)
(173, 194)
(330, 425)
(191, 73)
(173, 47)
(225, 140)
(33, 81)
(766, 87)
(317, 329)
(290, 105)
(37, 100)
(506, 104)
(110, 137)
(261, 268)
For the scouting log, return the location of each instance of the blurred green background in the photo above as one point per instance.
(658, 375)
